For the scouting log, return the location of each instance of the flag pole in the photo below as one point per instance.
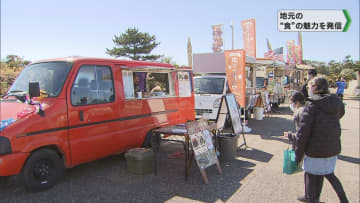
(232, 35)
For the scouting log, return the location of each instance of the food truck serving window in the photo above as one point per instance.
(185, 86)
(146, 84)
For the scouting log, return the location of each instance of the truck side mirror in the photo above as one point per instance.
(34, 89)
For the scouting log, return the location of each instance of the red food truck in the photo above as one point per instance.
(63, 112)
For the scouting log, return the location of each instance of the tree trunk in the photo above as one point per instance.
(358, 78)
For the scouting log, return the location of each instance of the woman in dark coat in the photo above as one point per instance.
(311, 74)
(318, 140)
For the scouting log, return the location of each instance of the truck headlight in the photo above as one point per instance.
(5, 146)
(217, 103)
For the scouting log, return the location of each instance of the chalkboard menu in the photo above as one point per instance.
(222, 114)
(202, 145)
(228, 106)
(233, 110)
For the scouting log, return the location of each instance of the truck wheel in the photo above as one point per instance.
(42, 170)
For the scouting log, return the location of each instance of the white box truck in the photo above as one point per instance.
(211, 84)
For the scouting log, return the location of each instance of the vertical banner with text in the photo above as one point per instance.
(291, 58)
(235, 73)
(217, 37)
(249, 36)
(300, 47)
(297, 54)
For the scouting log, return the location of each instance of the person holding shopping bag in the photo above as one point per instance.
(318, 140)
(297, 103)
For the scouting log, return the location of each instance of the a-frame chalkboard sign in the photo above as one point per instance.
(228, 106)
(203, 147)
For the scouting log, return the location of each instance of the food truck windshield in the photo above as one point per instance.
(50, 75)
(209, 85)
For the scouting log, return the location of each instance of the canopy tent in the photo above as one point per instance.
(268, 62)
(304, 67)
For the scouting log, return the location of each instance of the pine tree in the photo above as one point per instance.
(135, 45)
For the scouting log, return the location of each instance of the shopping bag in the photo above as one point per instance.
(289, 165)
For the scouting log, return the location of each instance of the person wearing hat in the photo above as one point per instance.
(311, 74)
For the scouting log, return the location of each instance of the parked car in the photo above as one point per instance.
(82, 109)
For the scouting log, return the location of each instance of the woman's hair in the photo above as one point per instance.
(298, 97)
(321, 85)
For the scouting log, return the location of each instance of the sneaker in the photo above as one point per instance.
(302, 198)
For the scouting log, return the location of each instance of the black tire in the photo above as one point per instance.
(42, 170)
(147, 141)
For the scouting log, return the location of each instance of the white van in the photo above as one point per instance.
(208, 92)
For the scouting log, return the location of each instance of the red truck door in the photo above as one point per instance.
(92, 113)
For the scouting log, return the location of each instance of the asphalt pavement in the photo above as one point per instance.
(255, 176)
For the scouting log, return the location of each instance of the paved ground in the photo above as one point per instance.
(255, 176)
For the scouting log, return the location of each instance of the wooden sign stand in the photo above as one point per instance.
(203, 148)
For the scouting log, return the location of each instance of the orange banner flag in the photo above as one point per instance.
(249, 36)
(236, 74)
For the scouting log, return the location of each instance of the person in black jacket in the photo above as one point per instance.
(311, 73)
(318, 140)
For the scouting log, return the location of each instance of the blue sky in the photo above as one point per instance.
(41, 29)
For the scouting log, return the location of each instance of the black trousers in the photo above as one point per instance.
(341, 96)
(314, 183)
